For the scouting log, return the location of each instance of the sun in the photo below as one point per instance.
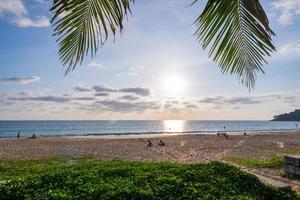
(173, 84)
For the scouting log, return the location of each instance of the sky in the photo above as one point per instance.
(155, 70)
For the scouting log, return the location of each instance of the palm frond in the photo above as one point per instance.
(238, 35)
(83, 25)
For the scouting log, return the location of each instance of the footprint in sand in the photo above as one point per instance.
(182, 143)
(280, 144)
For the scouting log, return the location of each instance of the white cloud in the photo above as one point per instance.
(15, 7)
(18, 14)
(44, 2)
(20, 80)
(290, 49)
(289, 10)
(81, 88)
(41, 21)
(95, 65)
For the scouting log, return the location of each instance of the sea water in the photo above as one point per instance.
(9, 129)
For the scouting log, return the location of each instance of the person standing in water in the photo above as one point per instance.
(18, 135)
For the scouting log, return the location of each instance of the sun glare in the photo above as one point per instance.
(173, 84)
(175, 126)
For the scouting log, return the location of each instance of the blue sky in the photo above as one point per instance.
(155, 70)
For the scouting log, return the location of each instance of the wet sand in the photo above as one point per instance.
(179, 148)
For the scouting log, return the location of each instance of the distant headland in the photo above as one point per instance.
(292, 116)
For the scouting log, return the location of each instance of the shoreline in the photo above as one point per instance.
(155, 134)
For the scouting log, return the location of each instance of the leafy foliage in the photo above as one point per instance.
(292, 116)
(91, 179)
(83, 25)
(273, 162)
(238, 34)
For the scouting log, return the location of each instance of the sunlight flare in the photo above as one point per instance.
(173, 84)
(176, 126)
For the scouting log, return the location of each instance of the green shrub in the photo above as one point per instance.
(91, 179)
(272, 162)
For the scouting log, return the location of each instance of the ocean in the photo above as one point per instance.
(9, 129)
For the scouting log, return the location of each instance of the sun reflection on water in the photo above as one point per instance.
(176, 126)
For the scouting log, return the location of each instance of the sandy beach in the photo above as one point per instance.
(179, 148)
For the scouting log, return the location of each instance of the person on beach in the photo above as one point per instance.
(33, 136)
(245, 133)
(226, 136)
(18, 135)
(162, 143)
(149, 143)
(296, 126)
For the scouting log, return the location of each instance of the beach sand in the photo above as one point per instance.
(179, 148)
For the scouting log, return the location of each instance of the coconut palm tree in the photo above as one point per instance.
(236, 32)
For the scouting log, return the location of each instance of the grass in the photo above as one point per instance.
(272, 162)
(66, 178)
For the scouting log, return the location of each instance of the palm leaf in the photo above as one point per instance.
(238, 35)
(83, 25)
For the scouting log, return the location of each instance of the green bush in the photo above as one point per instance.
(91, 179)
(272, 162)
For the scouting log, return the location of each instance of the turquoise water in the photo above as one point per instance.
(9, 129)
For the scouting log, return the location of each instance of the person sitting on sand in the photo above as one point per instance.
(245, 133)
(18, 135)
(149, 143)
(161, 143)
(226, 136)
(33, 136)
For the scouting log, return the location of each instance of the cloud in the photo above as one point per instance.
(15, 7)
(102, 94)
(95, 65)
(174, 102)
(242, 100)
(138, 91)
(289, 9)
(135, 90)
(290, 99)
(47, 98)
(20, 80)
(102, 88)
(190, 105)
(18, 14)
(40, 21)
(291, 48)
(44, 2)
(129, 97)
(211, 99)
(122, 106)
(230, 100)
(82, 89)
(168, 106)
(237, 101)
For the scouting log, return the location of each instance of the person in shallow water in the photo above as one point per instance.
(18, 135)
